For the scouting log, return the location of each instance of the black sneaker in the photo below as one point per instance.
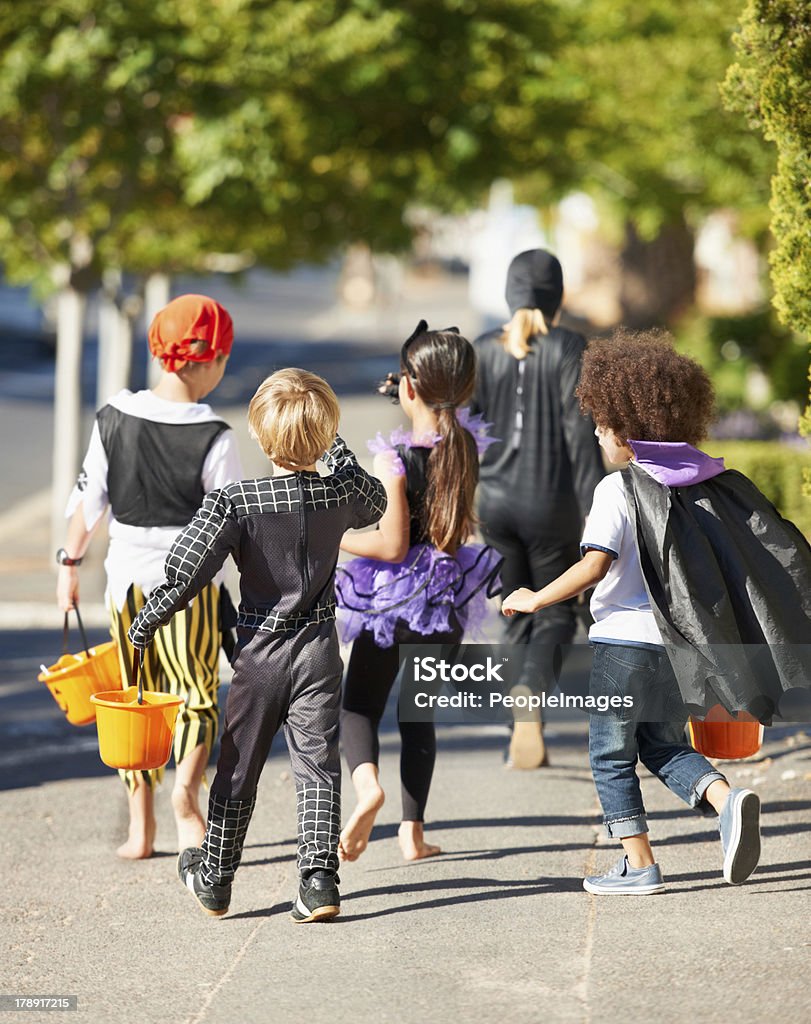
(318, 900)
(213, 899)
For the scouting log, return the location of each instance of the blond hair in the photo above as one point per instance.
(525, 324)
(294, 417)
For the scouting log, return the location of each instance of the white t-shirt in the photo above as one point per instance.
(619, 605)
(137, 554)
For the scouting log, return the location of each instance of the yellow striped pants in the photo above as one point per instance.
(182, 659)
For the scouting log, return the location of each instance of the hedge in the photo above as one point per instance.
(777, 469)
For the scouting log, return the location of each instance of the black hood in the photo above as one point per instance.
(535, 281)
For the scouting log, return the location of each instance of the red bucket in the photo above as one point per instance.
(725, 738)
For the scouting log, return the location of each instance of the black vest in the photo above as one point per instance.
(154, 470)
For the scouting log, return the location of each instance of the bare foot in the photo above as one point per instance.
(191, 828)
(412, 843)
(141, 835)
(355, 836)
(140, 843)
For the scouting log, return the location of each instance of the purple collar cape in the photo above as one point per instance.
(675, 463)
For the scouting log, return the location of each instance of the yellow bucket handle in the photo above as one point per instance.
(137, 675)
(66, 629)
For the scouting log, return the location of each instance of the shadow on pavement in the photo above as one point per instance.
(502, 890)
(534, 821)
(497, 854)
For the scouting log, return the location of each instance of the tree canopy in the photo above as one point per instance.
(652, 133)
(160, 132)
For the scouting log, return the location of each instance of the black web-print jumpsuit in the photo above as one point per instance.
(284, 533)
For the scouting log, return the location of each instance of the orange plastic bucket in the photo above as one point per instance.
(723, 737)
(135, 736)
(74, 678)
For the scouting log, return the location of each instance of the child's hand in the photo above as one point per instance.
(390, 387)
(521, 600)
(67, 587)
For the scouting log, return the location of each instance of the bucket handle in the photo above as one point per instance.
(65, 631)
(137, 675)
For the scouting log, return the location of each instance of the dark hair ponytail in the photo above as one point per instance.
(453, 473)
(442, 365)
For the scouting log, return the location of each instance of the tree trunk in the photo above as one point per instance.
(67, 406)
(108, 315)
(156, 296)
(658, 279)
(116, 314)
(357, 282)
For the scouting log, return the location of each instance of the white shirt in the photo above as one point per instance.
(619, 605)
(137, 554)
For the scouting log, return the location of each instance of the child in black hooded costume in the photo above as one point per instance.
(537, 482)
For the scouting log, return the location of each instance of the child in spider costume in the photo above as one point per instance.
(416, 580)
(284, 533)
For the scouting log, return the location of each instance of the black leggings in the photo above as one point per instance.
(370, 676)
(532, 560)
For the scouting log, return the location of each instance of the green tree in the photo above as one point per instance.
(336, 115)
(770, 83)
(87, 182)
(87, 104)
(655, 140)
(156, 132)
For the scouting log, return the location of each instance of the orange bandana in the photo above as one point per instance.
(187, 319)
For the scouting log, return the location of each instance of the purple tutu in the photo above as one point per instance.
(421, 591)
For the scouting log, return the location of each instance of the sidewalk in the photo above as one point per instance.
(497, 929)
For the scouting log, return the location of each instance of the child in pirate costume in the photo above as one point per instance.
(284, 532)
(703, 597)
(417, 579)
(152, 457)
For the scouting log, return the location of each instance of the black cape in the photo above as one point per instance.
(729, 581)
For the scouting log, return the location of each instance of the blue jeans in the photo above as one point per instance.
(622, 735)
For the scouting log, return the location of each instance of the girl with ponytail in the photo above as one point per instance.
(416, 579)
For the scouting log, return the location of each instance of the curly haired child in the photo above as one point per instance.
(673, 522)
